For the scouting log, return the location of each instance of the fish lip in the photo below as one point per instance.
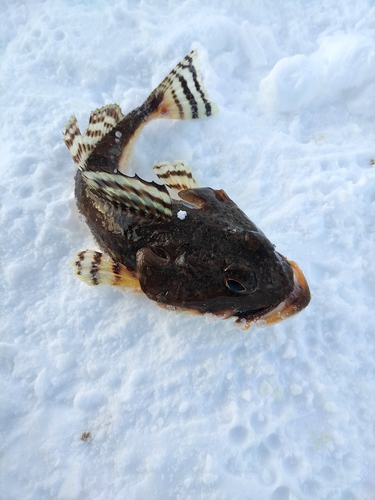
(297, 300)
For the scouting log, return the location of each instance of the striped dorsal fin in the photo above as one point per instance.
(102, 121)
(132, 193)
(184, 95)
(176, 176)
(95, 268)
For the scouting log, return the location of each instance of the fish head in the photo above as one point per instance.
(217, 261)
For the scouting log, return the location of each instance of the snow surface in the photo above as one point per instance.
(106, 396)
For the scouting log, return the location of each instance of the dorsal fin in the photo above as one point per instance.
(132, 193)
(177, 176)
(102, 121)
(184, 95)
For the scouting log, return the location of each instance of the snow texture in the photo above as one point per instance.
(106, 396)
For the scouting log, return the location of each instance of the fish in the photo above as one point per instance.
(187, 247)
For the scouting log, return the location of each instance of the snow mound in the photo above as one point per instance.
(292, 84)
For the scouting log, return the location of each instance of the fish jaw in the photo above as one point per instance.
(297, 300)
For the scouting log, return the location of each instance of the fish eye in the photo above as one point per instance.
(235, 285)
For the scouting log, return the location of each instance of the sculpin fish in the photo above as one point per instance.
(198, 252)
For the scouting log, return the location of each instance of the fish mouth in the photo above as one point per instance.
(297, 300)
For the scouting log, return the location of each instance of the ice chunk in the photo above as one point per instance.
(181, 214)
(345, 61)
(292, 84)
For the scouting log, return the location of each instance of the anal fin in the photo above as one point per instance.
(96, 268)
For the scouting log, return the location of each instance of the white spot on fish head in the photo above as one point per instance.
(181, 214)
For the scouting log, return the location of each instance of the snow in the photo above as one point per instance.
(106, 396)
(181, 214)
(292, 84)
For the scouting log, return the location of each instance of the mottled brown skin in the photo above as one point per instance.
(187, 263)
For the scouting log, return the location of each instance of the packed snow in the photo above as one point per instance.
(107, 396)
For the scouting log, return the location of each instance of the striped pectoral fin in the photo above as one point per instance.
(101, 122)
(95, 268)
(177, 176)
(131, 193)
(183, 92)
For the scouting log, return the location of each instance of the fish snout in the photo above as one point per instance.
(297, 300)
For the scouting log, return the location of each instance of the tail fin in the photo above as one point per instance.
(102, 121)
(184, 95)
(95, 268)
(181, 95)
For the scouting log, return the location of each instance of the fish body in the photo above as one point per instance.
(199, 252)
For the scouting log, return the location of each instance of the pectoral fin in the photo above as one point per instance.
(132, 193)
(176, 176)
(95, 268)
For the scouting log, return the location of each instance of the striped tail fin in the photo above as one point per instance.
(184, 95)
(181, 95)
